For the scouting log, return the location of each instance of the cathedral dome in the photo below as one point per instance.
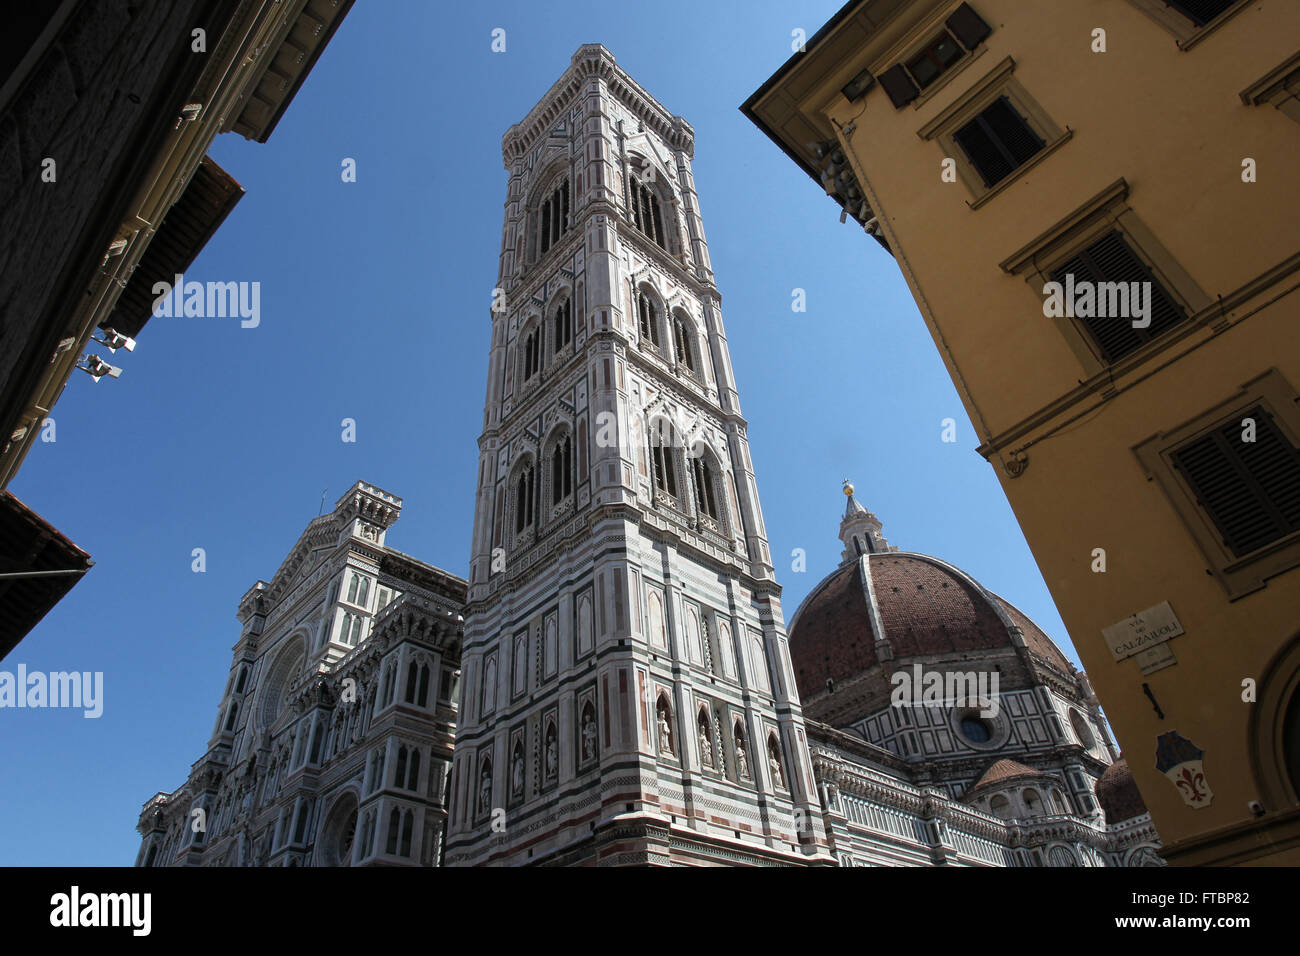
(915, 605)
(1118, 794)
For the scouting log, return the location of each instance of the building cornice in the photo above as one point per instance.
(592, 60)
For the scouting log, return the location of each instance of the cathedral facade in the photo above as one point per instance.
(334, 735)
(616, 675)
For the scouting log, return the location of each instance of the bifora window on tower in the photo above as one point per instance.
(552, 217)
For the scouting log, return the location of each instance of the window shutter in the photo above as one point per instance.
(1250, 490)
(1110, 259)
(967, 26)
(1200, 12)
(1010, 128)
(983, 153)
(898, 85)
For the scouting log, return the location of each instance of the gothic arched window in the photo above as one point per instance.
(705, 494)
(422, 698)
(350, 633)
(563, 332)
(524, 500)
(552, 220)
(643, 203)
(401, 765)
(682, 336)
(408, 829)
(562, 470)
(648, 317)
(532, 353)
(412, 675)
(394, 824)
(413, 773)
(662, 458)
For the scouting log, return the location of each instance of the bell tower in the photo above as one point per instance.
(627, 695)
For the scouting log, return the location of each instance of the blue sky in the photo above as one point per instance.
(374, 306)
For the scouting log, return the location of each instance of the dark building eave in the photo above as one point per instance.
(188, 226)
(266, 106)
(30, 543)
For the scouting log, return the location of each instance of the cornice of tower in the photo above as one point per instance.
(594, 60)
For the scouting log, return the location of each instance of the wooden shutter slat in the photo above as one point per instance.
(895, 82)
(968, 26)
(1250, 490)
(1200, 12)
(982, 153)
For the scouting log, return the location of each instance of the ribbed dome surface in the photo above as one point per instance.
(1118, 793)
(925, 607)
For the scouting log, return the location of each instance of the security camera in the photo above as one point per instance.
(1256, 808)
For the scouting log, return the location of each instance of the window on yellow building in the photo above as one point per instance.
(1189, 20)
(992, 130)
(1249, 488)
(1233, 477)
(1109, 262)
(963, 31)
(998, 141)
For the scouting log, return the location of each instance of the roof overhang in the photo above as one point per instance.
(289, 58)
(207, 200)
(49, 565)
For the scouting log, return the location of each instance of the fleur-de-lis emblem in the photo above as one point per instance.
(1191, 783)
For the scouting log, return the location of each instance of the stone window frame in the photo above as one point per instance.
(919, 38)
(1186, 33)
(1238, 576)
(1108, 210)
(552, 177)
(1279, 88)
(998, 82)
(998, 726)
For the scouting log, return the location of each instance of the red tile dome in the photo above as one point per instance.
(922, 607)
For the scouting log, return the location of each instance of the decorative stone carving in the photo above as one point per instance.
(588, 736)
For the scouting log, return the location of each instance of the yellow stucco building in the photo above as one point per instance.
(1095, 207)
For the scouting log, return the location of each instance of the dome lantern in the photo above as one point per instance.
(860, 530)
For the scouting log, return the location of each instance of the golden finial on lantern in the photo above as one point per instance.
(848, 487)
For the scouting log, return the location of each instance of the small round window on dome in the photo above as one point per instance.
(976, 730)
